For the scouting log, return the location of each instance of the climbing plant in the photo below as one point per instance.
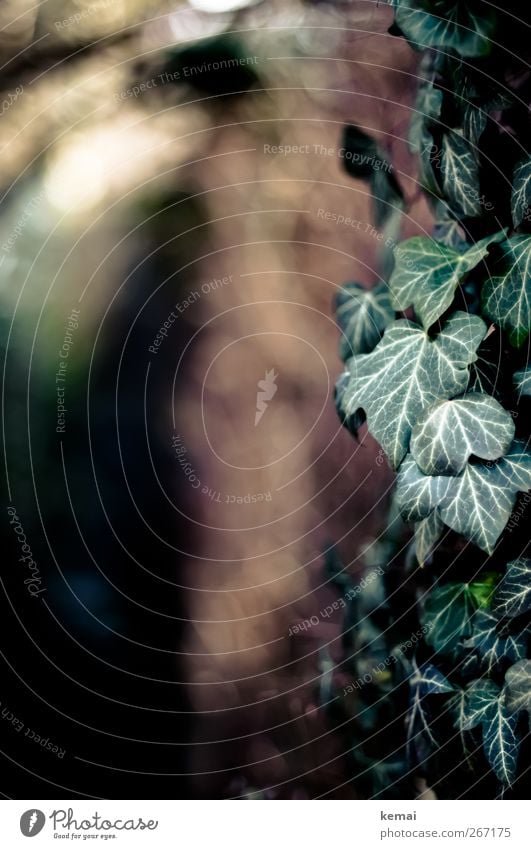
(437, 367)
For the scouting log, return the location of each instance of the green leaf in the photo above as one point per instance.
(513, 595)
(448, 230)
(521, 194)
(522, 381)
(485, 705)
(362, 315)
(484, 375)
(479, 697)
(506, 296)
(387, 196)
(407, 372)
(500, 740)
(518, 686)
(464, 27)
(460, 175)
(474, 123)
(427, 274)
(427, 533)
(426, 680)
(428, 107)
(492, 646)
(447, 614)
(449, 432)
(477, 503)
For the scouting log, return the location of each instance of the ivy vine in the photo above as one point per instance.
(438, 648)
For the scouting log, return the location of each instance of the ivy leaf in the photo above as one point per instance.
(484, 375)
(429, 681)
(506, 296)
(387, 195)
(464, 27)
(485, 705)
(448, 230)
(518, 684)
(479, 697)
(427, 274)
(426, 680)
(513, 595)
(521, 194)
(447, 613)
(406, 372)
(493, 648)
(476, 504)
(354, 421)
(474, 123)
(428, 107)
(362, 315)
(449, 432)
(427, 533)
(460, 175)
(522, 380)
(500, 740)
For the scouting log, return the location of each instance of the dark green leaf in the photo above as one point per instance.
(506, 296)
(521, 194)
(518, 686)
(427, 274)
(460, 175)
(500, 740)
(474, 123)
(479, 697)
(406, 372)
(486, 706)
(447, 613)
(513, 595)
(427, 108)
(448, 230)
(449, 432)
(494, 648)
(448, 24)
(522, 381)
(425, 681)
(387, 195)
(427, 533)
(477, 503)
(362, 315)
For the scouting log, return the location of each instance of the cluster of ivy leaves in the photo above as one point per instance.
(437, 366)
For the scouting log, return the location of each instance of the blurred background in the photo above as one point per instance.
(175, 221)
